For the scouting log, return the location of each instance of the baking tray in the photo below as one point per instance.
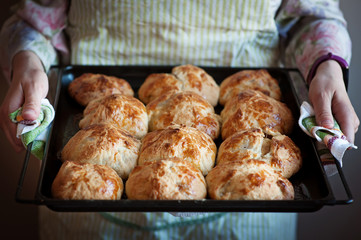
(312, 188)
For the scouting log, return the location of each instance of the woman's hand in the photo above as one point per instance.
(28, 86)
(328, 96)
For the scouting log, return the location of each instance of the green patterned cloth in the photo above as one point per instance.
(34, 131)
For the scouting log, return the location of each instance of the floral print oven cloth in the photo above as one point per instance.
(238, 33)
(332, 139)
(34, 131)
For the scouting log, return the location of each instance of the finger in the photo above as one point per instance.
(31, 107)
(33, 94)
(323, 111)
(348, 129)
(348, 120)
(346, 124)
(10, 132)
(350, 135)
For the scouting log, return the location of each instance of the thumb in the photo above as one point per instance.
(32, 103)
(323, 112)
(31, 108)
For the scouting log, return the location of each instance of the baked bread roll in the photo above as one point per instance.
(103, 144)
(76, 181)
(123, 111)
(167, 179)
(253, 109)
(157, 84)
(280, 151)
(183, 78)
(184, 142)
(247, 180)
(259, 80)
(90, 86)
(183, 108)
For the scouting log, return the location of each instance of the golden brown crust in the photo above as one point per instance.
(167, 179)
(242, 145)
(122, 111)
(183, 78)
(259, 80)
(179, 141)
(280, 151)
(90, 86)
(247, 180)
(183, 108)
(103, 144)
(157, 84)
(284, 156)
(87, 181)
(253, 109)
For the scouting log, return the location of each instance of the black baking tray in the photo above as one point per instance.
(312, 188)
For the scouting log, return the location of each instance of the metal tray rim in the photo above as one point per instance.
(169, 205)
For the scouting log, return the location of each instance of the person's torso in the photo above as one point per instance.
(171, 32)
(208, 33)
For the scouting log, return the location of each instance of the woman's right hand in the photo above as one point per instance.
(28, 86)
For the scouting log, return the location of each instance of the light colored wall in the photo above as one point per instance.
(335, 222)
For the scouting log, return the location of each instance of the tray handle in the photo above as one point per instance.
(53, 95)
(298, 85)
(347, 190)
(345, 73)
(19, 188)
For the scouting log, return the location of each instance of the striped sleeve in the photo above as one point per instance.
(310, 30)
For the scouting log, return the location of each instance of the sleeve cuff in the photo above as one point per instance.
(343, 63)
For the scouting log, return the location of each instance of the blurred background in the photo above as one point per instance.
(19, 221)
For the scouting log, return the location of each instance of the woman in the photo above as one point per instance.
(265, 33)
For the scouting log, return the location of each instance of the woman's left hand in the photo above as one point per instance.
(329, 98)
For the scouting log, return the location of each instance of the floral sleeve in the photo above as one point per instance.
(312, 29)
(35, 26)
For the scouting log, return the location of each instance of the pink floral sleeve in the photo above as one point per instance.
(35, 26)
(312, 29)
